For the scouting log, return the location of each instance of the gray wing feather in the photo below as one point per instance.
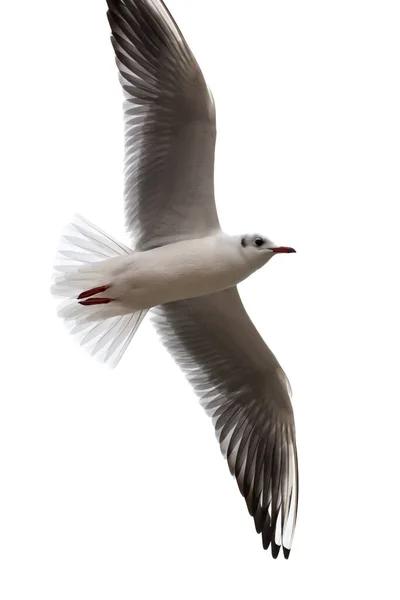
(246, 393)
(170, 128)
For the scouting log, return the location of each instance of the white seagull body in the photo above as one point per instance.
(184, 267)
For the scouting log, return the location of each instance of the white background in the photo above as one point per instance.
(112, 483)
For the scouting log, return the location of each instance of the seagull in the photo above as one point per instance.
(183, 268)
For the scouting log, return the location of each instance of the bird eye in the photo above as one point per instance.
(259, 242)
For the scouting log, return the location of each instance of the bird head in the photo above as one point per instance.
(260, 249)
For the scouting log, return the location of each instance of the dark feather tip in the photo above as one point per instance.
(286, 552)
(275, 549)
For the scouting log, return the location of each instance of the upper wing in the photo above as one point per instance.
(245, 391)
(169, 127)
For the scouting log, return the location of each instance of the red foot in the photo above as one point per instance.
(93, 292)
(95, 301)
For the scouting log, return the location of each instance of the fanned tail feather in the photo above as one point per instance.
(86, 261)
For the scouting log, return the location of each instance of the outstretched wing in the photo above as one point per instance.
(169, 127)
(245, 391)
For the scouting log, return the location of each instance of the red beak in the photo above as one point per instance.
(283, 250)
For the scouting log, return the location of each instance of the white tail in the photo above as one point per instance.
(85, 263)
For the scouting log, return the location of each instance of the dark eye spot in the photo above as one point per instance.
(258, 242)
(243, 242)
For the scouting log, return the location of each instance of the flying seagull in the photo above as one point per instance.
(183, 267)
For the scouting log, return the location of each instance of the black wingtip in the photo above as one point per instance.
(275, 549)
(286, 552)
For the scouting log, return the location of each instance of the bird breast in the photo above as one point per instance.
(183, 270)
